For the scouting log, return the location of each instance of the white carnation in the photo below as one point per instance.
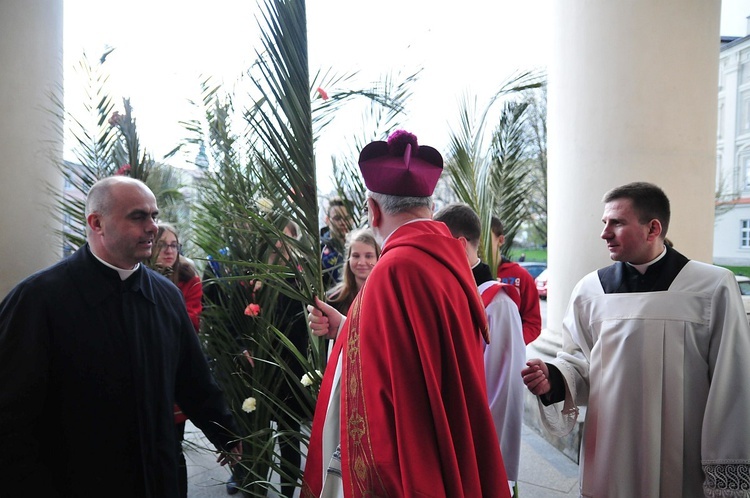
(264, 205)
(249, 405)
(307, 380)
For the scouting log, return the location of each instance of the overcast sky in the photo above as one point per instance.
(163, 46)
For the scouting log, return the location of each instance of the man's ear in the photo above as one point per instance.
(654, 229)
(94, 222)
(375, 213)
(500, 240)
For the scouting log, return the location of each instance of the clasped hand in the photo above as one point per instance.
(324, 319)
(536, 377)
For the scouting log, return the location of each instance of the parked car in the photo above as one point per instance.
(533, 267)
(541, 284)
(744, 283)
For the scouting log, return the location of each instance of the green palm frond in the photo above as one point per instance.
(94, 142)
(350, 188)
(262, 176)
(466, 158)
(507, 174)
(106, 142)
(492, 178)
(381, 104)
(379, 118)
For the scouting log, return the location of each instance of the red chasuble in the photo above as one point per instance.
(414, 414)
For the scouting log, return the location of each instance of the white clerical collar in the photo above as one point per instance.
(410, 221)
(476, 264)
(124, 274)
(642, 268)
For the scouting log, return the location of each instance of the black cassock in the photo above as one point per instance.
(90, 367)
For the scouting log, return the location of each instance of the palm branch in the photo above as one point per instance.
(378, 120)
(484, 177)
(93, 142)
(262, 176)
(105, 143)
(507, 174)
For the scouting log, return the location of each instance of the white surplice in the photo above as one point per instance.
(504, 358)
(333, 485)
(666, 380)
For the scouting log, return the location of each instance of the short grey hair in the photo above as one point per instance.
(99, 198)
(394, 204)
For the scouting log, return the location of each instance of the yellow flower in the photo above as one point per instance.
(248, 405)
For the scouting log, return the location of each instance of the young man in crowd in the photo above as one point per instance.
(514, 274)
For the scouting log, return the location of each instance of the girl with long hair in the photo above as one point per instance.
(362, 252)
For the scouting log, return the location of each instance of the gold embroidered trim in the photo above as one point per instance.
(364, 476)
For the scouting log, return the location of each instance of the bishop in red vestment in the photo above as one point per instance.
(403, 403)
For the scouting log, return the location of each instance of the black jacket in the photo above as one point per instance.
(90, 367)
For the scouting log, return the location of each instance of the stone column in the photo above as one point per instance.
(632, 97)
(30, 135)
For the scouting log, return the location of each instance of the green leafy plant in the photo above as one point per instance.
(105, 142)
(379, 119)
(493, 179)
(260, 139)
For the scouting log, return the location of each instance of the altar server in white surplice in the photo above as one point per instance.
(505, 355)
(657, 347)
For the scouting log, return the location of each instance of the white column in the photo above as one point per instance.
(31, 70)
(632, 97)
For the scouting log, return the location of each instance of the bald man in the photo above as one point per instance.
(94, 352)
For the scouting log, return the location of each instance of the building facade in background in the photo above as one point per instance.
(732, 228)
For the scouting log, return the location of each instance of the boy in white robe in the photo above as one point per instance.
(505, 355)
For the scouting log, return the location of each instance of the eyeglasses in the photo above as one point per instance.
(173, 246)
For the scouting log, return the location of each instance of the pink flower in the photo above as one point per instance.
(322, 93)
(249, 358)
(124, 170)
(252, 309)
(115, 119)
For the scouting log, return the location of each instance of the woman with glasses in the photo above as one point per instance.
(167, 260)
